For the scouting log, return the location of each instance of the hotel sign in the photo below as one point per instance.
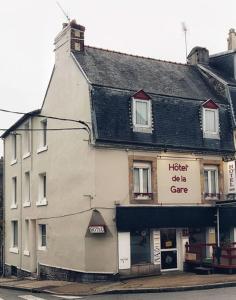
(231, 177)
(97, 229)
(178, 180)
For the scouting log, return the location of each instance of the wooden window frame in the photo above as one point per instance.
(153, 162)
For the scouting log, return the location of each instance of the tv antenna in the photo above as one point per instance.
(63, 11)
(184, 28)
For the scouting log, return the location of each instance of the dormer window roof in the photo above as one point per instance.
(141, 112)
(210, 118)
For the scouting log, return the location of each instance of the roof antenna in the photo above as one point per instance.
(184, 28)
(63, 11)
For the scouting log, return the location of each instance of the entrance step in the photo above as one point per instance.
(203, 270)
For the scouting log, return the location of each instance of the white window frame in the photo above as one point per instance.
(141, 166)
(26, 242)
(42, 190)
(27, 201)
(43, 136)
(14, 148)
(212, 168)
(211, 134)
(149, 113)
(14, 241)
(14, 193)
(40, 237)
(27, 140)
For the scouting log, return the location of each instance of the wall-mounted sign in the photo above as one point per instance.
(178, 180)
(97, 229)
(231, 177)
(157, 247)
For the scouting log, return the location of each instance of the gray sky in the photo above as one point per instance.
(148, 28)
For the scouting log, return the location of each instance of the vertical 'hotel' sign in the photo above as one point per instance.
(231, 177)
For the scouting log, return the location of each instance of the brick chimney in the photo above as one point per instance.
(232, 39)
(70, 39)
(198, 55)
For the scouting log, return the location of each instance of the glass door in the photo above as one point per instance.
(168, 249)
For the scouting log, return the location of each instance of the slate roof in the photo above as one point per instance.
(114, 69)
(177, 92)
(176, 122)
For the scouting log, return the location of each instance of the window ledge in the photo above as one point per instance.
(26, 204)
(26, 155)
(42, 248)
(142, 129)
(213, 136)
(14, 206)
(13, 162)
(42, 149)
(14, 250)
(143, 196)
(42, 202)
(26, 253)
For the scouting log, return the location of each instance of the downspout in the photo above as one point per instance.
(3, 213)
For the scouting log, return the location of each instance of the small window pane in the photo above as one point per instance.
(213, 181)
(136, 181)
(145, 181)
(210, 121)
(206, 184)
(15, 234)
(141, 113)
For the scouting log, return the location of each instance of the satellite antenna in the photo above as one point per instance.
(63, 11)
(184, 28)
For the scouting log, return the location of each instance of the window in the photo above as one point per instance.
(142, 180)
(14, 193)
(26, 250)
(140, 246)
(27, 190)
(211, 123)
(211, 186)
(14, 243)
(43, 136)
(42, 237)
(14, 148)
(42, 200)
(26, 139)
(142, 113)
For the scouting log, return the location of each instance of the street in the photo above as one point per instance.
(7, 294)
(216, 294)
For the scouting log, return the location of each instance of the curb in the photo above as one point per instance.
(171, 289)
(131, 290)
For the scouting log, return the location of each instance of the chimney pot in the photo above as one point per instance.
(232, 39)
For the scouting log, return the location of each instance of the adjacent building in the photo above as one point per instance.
(122, 165)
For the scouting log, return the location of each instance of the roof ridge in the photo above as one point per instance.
(138, 56)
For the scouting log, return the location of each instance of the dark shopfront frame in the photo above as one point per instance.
(132, 218)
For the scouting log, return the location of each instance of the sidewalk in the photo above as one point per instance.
(163, 283)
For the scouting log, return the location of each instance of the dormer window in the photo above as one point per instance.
(210, 115)
(141, 107)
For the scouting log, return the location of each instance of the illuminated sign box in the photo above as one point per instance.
(97, 229)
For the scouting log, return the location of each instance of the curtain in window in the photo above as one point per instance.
(136, 181)
(141, 113)
(210, 121)
(213, 181)
(206, 184)
(145, 181)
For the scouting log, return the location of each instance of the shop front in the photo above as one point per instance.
(152, 239)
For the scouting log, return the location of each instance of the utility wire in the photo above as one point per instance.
(49, 117)
(48, 129)
(74, 213)
(44, 116)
